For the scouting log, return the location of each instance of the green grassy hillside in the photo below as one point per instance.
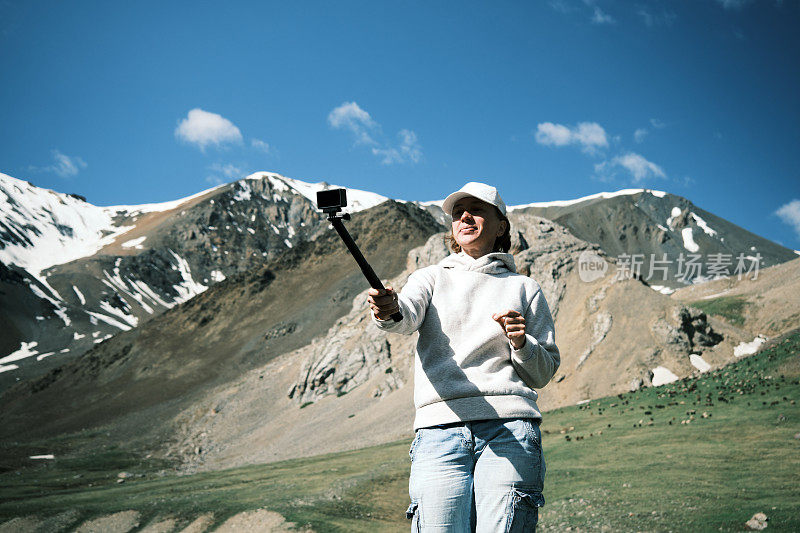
(700, 454)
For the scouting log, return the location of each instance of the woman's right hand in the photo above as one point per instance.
(383, 303)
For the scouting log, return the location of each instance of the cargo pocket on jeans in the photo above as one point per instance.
(412, 513)
(523, 510)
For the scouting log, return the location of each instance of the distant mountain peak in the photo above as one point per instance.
(357, 200)
(40, 228)
(604, 195)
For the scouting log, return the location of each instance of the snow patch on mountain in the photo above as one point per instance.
(45, 228)
(699, 363)
(357, 200)
(135, 243)
(24, 351)
(676, 211)
(559, 203)
(702, 223)
(662, 376)
(116, 283)
(42, 228)
(688, 240)
(243, 191)
(161, 206)
(189, 287)
(60, 310)
(81, 297)
(742, 349)
(111, 310)
(662, 289)
(108, 320)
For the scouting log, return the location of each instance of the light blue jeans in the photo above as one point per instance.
(484, 476)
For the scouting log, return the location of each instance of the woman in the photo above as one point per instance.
(486, 340)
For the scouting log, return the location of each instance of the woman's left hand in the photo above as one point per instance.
(513, 324)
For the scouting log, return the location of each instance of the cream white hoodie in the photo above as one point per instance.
(465, 367)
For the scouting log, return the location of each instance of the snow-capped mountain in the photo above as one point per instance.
(73, 274)
(665, 239)
(232, 310)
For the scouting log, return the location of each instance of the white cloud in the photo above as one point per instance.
(640, 133)
(228, 170)
(790, 214)
(408, 150)
(204, 128)
(260, 145)
(64, 165)
(590, 135)
(733, 4)
(410, 146)
(223, 173)
(651, 18)
(601, 17)
(551, 134)
(349, 116)
(561, 6)
(639, 167)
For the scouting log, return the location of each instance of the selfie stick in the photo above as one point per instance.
(336, 222)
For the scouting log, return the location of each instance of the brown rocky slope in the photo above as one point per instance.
(133, 383)
(353, 386)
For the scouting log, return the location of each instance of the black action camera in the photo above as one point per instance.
(332, 201)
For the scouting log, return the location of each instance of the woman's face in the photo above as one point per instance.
(476, 226)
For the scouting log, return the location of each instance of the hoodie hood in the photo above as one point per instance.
(493, 263)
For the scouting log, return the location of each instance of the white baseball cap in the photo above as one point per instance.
(481, 191)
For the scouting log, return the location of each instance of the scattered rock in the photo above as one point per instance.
(121, 522)
(200, 524)
(280, 330)
(162, 526)
(693, 322)
(21, 524)
(258, 520)
(757, 523)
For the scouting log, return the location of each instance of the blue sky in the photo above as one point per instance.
(141, 102)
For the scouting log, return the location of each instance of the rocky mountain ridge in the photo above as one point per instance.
(246, 367)
(143, 260)
(355, 383)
